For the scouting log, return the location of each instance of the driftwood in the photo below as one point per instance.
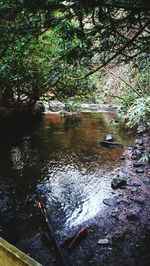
(73, 241)
(52, 237)
(110, 144)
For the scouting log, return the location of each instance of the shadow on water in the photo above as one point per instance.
(60, 160)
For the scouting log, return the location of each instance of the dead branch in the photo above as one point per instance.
(59, 253)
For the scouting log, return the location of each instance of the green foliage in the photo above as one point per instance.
(74, 106)
(50, 45)
(145, 158)
(139, 113)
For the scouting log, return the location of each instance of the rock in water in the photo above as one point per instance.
(111, 144)
(109, 137)
(110, 202)
(118, 182)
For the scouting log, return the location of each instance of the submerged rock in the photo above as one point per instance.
(110, 202)
(111, 144)
(119, 181)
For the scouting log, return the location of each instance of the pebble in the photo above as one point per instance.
(122, 158)
(134, 189)
(104, 241)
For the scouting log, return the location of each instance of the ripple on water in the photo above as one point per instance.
(62, 161)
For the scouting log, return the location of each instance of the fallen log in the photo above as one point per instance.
(73, 241)
(60, 256)
(110, 144)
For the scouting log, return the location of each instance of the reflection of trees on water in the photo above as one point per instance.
(59, 153)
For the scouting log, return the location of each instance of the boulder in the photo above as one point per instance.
(119, 181)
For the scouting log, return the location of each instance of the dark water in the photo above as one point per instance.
(60, 161)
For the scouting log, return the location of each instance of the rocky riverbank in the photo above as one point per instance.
(71, 107)
(121, 235)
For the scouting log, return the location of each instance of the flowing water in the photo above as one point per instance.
(59, 160)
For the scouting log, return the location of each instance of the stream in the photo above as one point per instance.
(60, 161)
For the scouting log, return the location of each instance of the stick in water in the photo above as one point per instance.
(52, 236)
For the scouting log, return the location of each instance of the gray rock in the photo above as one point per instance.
(118, 182)
(141, 129)
(139, 142)
(146, 181)
(111, 144)
(132, 216)
(134, 157)
(104, 241)
(133, 183)
(139, 202)
(134, 189)
(139, 171)
(110, 202)
(122, 158)
(56, 106)
(114, 214)
(138, 164)
(109, 137)
(137, 153)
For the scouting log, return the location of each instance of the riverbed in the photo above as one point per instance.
(58, 160)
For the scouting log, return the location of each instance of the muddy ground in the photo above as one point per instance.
(118, 236)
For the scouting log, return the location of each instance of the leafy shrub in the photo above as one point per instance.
(139, 113)
(145, 158)
(72, 106)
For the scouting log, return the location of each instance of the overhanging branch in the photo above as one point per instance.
(128, 43)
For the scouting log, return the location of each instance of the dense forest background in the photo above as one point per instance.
(82, 50)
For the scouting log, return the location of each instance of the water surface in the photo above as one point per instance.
(59, 160)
